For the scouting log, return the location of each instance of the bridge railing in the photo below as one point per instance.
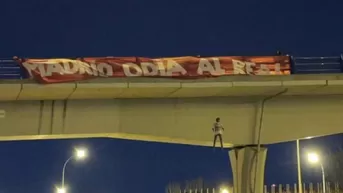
(317, 65)
(9, 69)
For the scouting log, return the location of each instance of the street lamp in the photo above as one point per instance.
(224, 190)
(314, 159)
(79, 154)
(61, 190)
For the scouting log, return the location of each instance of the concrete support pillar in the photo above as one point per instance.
(244, 162)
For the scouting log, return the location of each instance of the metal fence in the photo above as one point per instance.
(307, 188)
(287, 188)
(317, 65)
(9, 69)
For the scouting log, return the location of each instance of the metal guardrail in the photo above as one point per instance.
(317, 65)
(10, 69)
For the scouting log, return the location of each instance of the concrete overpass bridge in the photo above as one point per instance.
(255, 110)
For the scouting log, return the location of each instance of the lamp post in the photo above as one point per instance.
(314, 158)
(300, 187)
(79, 154)
(300, 183)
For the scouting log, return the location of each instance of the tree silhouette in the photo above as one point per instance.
(333, 164)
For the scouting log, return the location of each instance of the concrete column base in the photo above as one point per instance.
(243, 163)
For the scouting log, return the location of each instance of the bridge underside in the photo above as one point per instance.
(179, 120)
(179, 112)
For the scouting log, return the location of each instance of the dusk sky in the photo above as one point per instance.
(153, 28)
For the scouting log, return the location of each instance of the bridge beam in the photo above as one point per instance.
(247, 165)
